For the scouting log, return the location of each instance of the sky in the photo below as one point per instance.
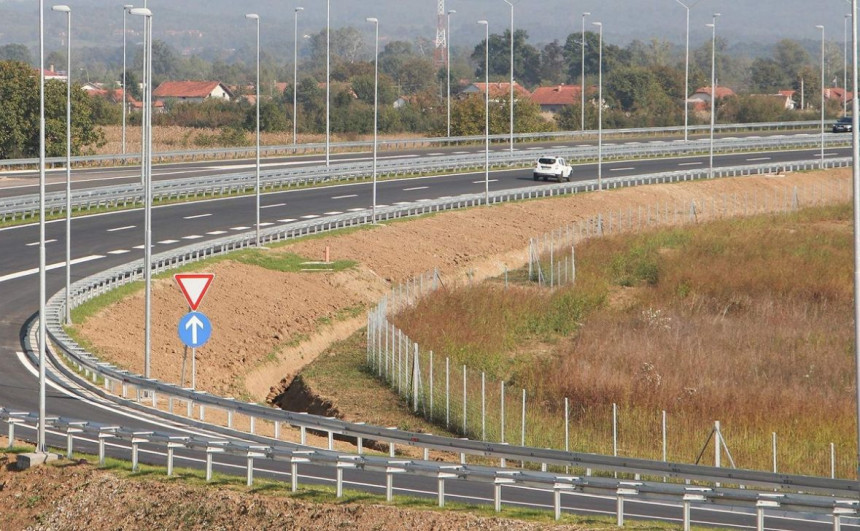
(222, 21)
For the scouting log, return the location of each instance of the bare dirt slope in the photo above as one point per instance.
(268, 324)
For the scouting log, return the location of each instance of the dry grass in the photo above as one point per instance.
(744, 321)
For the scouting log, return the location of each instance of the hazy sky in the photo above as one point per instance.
(755, 21)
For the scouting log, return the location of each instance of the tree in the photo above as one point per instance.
(19, 106)
(346, 45)
(552, 64)
(16, 52)
(612, 55)
(526, 57)
(767, 76)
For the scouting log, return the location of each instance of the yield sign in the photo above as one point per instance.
(194, 286)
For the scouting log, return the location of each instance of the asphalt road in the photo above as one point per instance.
(106, 240)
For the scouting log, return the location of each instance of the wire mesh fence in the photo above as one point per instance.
(473, 404)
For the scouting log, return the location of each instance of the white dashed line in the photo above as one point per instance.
(192, 237)
(168, 242)
(691, 164)
(435, 154)
(274, 206)
(119, 251)
(344, 196)
(482, 182)
(461, 152)
(287, 220)
(621, 169)
(356, 209)
(403, 203)
(37, 243)
(415, 188)
(216, 232)
(19, 274)
(334, 213)
(266, 223)
(310, 216)
(759, 158)
(424, 200)
(123, 228)
(239, 228)
(139, 247)
(197, 216)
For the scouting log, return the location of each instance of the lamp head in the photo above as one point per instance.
(299, 9)
(451, 11)
(252, 16)
(141, 12)
(372, 19)
(598, 24)
(587, 14)
(127, 7)
(483, 22)
(61, 9)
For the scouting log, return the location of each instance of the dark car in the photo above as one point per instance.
(843, 125)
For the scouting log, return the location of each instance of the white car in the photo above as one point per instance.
(554, 167)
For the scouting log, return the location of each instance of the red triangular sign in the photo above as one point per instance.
(194, 286)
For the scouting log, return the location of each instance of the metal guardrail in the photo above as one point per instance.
(102, 282)
(296, 149)
(122, 196)
(295, 455)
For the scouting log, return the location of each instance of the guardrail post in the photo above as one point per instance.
(69, 441)
(252, 424)
(303, 434)
(277, 430)
(102, 437)
(688, 499)
(389, 484)
(11, 434)
(134, 450)
(250, 471)
(760, 506)
(331, 440)
(440, 493)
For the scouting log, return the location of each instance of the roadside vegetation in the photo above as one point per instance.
(743, 321)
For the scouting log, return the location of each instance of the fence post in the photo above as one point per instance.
(614, 429)
(465, 397)
(774, 452)
(415, 379)
(483, 408)
(447, 392)
(502, 436)
(566, 430)
(523, 430)
(832, 461)
(431, 386)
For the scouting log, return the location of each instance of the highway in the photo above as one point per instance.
(106, 240)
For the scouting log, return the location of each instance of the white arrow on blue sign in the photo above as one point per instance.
(194, 329)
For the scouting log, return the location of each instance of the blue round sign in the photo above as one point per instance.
(194, 329)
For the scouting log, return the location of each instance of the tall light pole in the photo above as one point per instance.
(512, 73)
(327, 81)
(582, 76)
(40, 436)
(375, 110)
(713, 27)
(600, 107)
(486, 25)
(256, 18)
(146, 164)
(845, 65)
(67, 10)
(125, 9)
(821, 161)
(687, 69)
(295, 67)
(855, 155)
(448, 63)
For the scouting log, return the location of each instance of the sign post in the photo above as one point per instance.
(194, 328)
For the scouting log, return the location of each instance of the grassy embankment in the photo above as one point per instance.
(743, 321)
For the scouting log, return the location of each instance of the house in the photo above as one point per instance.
(838, 94)
(553, 99)
(497, 90)
(192, 91)
(51, 74)
(783, 98)
(701, 99)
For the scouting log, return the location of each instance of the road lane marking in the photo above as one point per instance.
(266, 223)
(274, 206)
(435, 154)
(759, 158)
(622, 169)
(482, 182)
(356, 209)
(239, 228)
(197, 216)
(192, 237)
(139, 247)
(19, 274)
(691, 164)
(119, 251)
(345, 196)
(461, 152)
(117, 229)
(287, 220)
(334, 213)
(168, 242)
(37, 243)
(415, 188)
(216, 232)
(310, 216)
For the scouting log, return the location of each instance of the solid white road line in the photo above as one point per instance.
(273, 206)
(197, 216)
(345, 196)
(37, 243)
(415, 188)
(117, 229)
(19, 274)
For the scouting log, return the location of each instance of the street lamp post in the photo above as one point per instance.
(845, 65)
(125, 9)
(582, 76)
(600, 108)
(375, 110)
(327, 81)
(855, 155)
(146, 165)
(295, 67)
(713, 27)
(256, 18)
(448, 63)
(821, 161)
(510, 3)
(40, 436)
(486, 25)
(67, 10)
(687, 69)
